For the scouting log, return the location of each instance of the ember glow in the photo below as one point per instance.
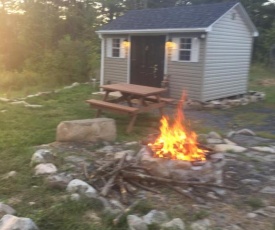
(175, 140)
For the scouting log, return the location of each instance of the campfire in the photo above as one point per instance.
(176, 141)
(174, 159)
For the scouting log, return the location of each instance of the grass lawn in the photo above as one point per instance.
(22, 128)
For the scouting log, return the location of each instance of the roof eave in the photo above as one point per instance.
(152, 31)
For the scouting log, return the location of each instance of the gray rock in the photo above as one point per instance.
(230, 134)
(264, 149)
(155, 217)
(247, 132)
(106, 149)
(43, 169)
(251, 181)
(59, 181)
(227, 141)
(250, 141)
(79, 186)
(268, 190)
(201, 225)
(75, 197)
(131, 143)
(231, 148)
(251, 215)
(19, 103)
(3, 99)
(10, 222)
(33, 106)
(8, 175)
(175, 224)
(42, 156)
(121, 154)
(266, 211)
(136, 223)
(214, 135)
(6, 209)
(214, 141)
(89, 130)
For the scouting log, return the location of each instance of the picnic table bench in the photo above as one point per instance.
(148, 98)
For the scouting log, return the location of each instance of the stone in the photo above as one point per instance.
(131, 143)
(214, 141)
(43, 169)
(3, 99)
(19, 103)
(72, 85)
(247, 132)
(268, 190)
(264, 149)
(136, 223)
(121, 154)
(155, 217)
(266, 211)
(201, 225)
(75, 197)
(59, 181)
(227, 141)
(9, 175)
(251, 215)
(157, 166)
(93, 217)
(42, 156)
(175, 224)
(89, 130)
(251, 182)
(6, 209)
(214, 135)
(79, 186)
(231, 148)
(230, 134)
(106, 149)
(10, 222)
(33, 106)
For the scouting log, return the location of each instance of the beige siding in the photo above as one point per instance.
(186, 76)
(115, 69)
(227, 59)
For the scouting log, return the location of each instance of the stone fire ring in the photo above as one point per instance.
(209, 171)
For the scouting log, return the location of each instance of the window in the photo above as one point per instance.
(185, 48)
(116, 47)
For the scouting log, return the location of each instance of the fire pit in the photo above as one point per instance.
(175, 153)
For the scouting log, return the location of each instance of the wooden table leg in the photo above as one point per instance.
(131, 123)
(98, 112)
(161, 108)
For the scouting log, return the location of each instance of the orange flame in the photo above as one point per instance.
(175, 141)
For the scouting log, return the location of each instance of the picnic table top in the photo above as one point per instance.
(133, 89)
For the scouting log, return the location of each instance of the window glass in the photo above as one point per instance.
(116, 47)
(185, 49)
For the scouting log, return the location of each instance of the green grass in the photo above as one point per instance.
(22, 128)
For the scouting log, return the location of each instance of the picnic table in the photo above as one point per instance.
(135, 98)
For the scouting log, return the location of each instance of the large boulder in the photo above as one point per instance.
(89, 130)
(10, 222)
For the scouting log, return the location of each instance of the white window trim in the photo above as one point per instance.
(185, 50)
(109, 48)
(195, 42)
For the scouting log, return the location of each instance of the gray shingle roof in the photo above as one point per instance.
(197, 16)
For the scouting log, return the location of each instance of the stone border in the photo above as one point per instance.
(226, 103)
